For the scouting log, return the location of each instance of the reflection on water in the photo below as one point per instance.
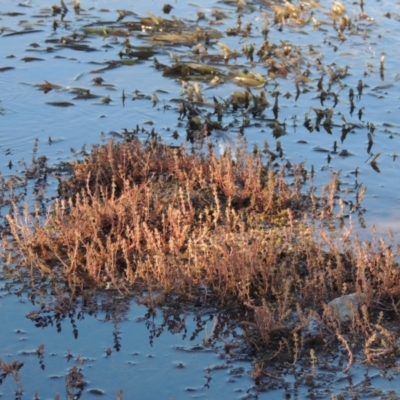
(123, 348)
(58, 344)
(100, 345)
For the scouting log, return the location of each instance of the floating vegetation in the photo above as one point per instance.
(47, 86)
(3, 69)
(24, 32)
(60, 103)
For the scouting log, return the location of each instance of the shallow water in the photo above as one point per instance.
(173, 354)
(156, 357)
(25, 116)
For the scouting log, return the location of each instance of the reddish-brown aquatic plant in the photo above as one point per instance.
(215, 229)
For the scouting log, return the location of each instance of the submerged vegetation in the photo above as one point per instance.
(240, 230)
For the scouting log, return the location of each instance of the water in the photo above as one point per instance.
(171, 354)
(125, 348)
(26, 115)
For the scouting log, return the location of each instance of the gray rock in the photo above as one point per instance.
(345, 306)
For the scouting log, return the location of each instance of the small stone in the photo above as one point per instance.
(344, 306)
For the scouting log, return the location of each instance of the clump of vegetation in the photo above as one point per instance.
(209, 229)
